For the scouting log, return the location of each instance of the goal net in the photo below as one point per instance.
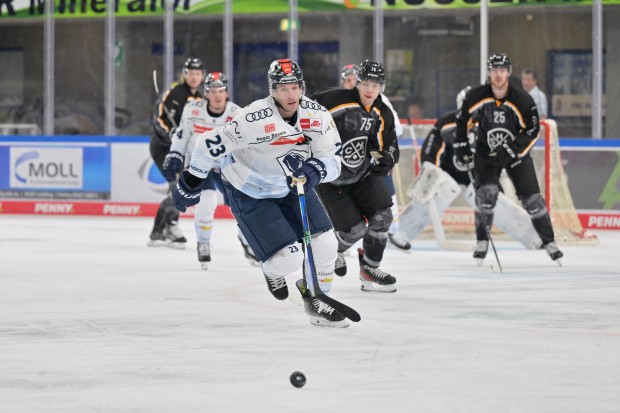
(458, 219)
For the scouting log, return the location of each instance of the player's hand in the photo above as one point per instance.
(384, 162)
(311, 172)
(463, 153)
(184, 196)
(173, 164)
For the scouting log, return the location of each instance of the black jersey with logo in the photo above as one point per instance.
(514, 117)
(169, 109)
(362, 130)
(437, 148)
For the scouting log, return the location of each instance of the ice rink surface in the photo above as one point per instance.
(93, 320)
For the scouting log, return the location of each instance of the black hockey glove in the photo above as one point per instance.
(184, 195)
(463, 153)
(312, 170)
(384, 162)
(173, 164)
(504, 154)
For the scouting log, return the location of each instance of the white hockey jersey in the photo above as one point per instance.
(261, 149)
(194, 121)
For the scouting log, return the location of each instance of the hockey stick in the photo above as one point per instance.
(484, 222)
(347, 311)
(155, 81)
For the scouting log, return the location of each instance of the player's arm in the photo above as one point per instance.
(167, 112)
(529, 127)
(462, 151)
(433, 145)
(328, 148)
(388, 151)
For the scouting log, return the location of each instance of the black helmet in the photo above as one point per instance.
(348, 70)
(284, 71)
(499, 60)
(216, 80)
(370, 70)
(193, 63)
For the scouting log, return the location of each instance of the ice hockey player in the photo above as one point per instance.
(268, 145)
(358, 201)
(198, 117)
(508, 127)
(442, 178)
(167, 117)
(348, 78)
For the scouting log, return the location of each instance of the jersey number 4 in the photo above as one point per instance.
(214, 145)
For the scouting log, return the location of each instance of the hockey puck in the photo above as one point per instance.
(298, 379)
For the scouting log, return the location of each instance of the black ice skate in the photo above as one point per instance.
(320, 314)
(554, 252)
(174, 236)
(480, 253)
(204, 254)
(277, 286)
(156, 239)
(373, 279)
(399, 241)
(341, 265)
(248, 253)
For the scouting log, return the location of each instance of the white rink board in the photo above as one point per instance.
(92, 320)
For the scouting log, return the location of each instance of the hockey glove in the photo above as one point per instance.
(504, 154)
(173, 164)
(184, 195)
(312, 170)
(384, 162)
(463, 153)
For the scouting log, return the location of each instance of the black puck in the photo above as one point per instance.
(298, 379)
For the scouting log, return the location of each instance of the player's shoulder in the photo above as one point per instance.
(195, 104)
(521, 98)
(448, 117)
(307, 104)
(333, 97)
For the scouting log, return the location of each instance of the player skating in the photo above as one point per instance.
(358, 201)
(508, 127)
(269, 143)
(198, 117)
(167, 117)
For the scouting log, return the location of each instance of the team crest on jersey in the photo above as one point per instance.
(497, 136)
(354, 152)
(292, 161)
(310, 123)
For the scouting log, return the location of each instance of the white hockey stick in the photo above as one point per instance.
(440, 235)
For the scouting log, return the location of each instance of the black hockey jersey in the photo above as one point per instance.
(437, 148)
(514, 117)
(362, 130)
(169, 109)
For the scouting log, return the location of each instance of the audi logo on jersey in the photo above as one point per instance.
(497, 136)
(261, 114)
(354, 152)
(308, 104)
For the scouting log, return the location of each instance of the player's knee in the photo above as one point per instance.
(353, 235)
(285, 261)
(380, 222)
(535, 205)
(486, 196)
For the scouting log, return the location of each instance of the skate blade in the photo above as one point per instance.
(321, 322)
(156, 243)
(479, 262)
(296, 299)
(254, 263)
(204, 266)
(176, 245)
(376, 288)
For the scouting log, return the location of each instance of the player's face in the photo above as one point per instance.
(369, 91)
(349, 81)
(217, 97)
(288, 96)
(194, 78)
(499, 77)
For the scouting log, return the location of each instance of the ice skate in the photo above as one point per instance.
(248, 253)
(204, 254)
(174, 236)
(399, 241)
(480, 253)
(320, 314)
(156, 239)
(373, 279)
(554, 252)
(341, 265)
(277, 286)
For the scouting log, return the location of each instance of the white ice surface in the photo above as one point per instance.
(92, 320)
